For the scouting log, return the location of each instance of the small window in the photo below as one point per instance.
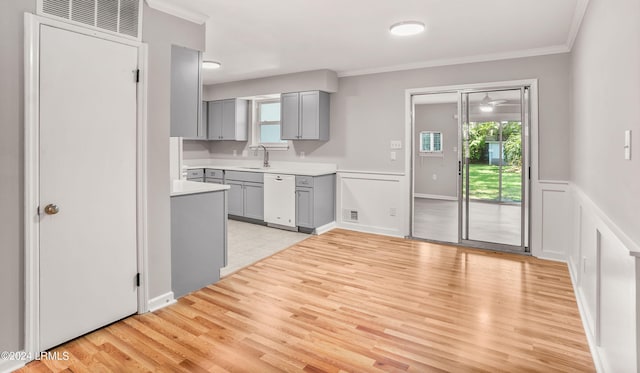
(268, 122)
(430, 142)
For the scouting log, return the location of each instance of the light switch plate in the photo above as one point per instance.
(627, 144)
(396, 144)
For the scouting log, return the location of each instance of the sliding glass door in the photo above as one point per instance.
(493, 169)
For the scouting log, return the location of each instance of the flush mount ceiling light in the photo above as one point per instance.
(210, 65)
(407, 28)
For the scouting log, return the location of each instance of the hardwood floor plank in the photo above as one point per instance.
(353, 302)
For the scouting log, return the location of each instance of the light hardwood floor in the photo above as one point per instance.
(347, 301)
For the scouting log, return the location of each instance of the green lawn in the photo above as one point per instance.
(484, 182)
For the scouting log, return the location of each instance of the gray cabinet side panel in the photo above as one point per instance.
(198, 229)
(325, 115)
(236, 198)
(324, 194)
(309, 109)
(289, 116)
(185, 92)
(254, 200)
(214, 120)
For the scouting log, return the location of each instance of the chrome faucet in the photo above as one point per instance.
(265, 163)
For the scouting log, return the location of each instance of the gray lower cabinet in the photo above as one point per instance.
(246, 196)
(198, 240)
(304, 115)
(227, 119)
(195, 174)
(315, 200)
(186, 105)
(215, 176)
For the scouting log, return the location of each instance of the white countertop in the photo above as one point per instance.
(286, 168)
(183, 187)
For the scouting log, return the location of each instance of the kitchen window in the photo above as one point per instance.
(430, 142)
(267, 124)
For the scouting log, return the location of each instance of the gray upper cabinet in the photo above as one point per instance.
(228, 119)
(305, 116)
(186, 87)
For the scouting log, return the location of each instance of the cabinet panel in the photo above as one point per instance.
(304, 207)
(228, 119)
(256, 177)
(185, 92)
(236, 198)
(213, 180)
(289, 116)
(214, 120)
(254, 200)
(309, 115)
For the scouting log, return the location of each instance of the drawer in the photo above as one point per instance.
(213, 180)
(213, 173)
(304, 181)
(195, 173)
(200, 179)
(256, 177)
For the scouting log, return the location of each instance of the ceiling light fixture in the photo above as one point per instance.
(407, 28)
(210, 65)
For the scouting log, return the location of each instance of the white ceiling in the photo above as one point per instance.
(257, 38)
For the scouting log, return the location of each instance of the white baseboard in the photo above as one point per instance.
(8, 366)
(326, 228)
(434, 196)
(593, 347)
(369, 229)
(161, 301)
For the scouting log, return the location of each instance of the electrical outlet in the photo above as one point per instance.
(393, 156)
(434, 176)
(302, 155)
(393, 211)
(396, 144)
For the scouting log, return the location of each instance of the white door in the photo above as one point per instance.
(88, 170)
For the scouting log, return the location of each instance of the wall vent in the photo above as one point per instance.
(350, 215)
(120, 17)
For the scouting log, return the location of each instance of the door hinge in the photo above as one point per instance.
(137, 75)
(138, 279)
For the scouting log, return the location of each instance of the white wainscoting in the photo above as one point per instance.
(379, 199)
(551, 217)
(604, 274)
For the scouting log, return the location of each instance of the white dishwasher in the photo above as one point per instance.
(280, 199)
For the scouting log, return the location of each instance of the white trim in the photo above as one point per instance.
(142, 200)
(161, 301)
(8, 366)
(370, 172)
(593, 347)
(326, 228)
(633, 247)
(171, 7)
(578, 16)
(557, 49)
(32, 25)
(434, 196)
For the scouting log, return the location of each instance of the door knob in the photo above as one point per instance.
(51, 209)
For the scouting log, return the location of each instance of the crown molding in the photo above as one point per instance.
(170, 7)
(578, 16)
(557, 49)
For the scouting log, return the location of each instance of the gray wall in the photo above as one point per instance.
(437, 117)
(160, 31)
(369, 110)
(11, 172)
(606, 77)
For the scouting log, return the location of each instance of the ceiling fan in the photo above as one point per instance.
(487, 105)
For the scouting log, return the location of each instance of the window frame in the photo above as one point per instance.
(257, 126)
(431, 150)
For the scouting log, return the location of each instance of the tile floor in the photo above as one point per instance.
(248, 243)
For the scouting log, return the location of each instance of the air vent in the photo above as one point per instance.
(120, 17)
(350, 215)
